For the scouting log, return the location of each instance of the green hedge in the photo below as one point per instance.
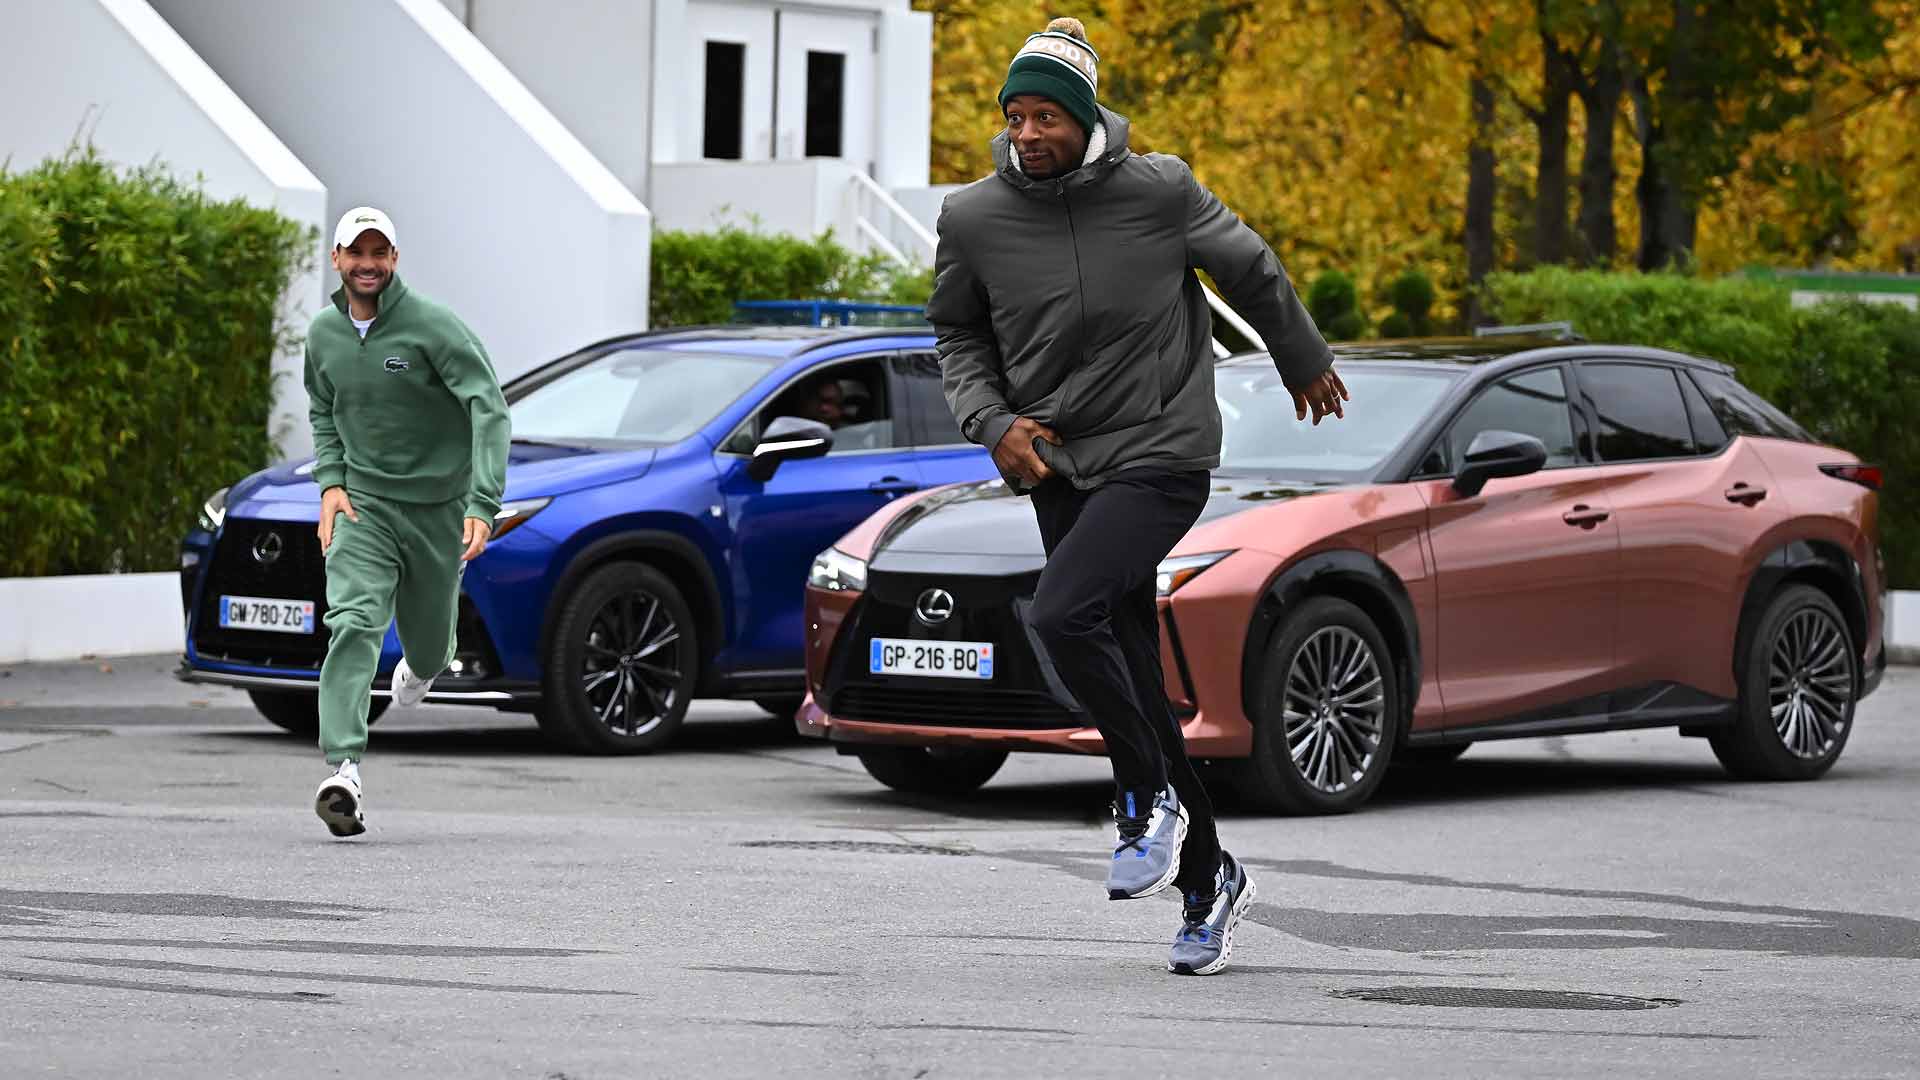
(698, 276)
(1848, 371)
(137, 324)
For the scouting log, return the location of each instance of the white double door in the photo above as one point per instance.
(806, 81)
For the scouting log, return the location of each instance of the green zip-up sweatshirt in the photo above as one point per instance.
(413, 412)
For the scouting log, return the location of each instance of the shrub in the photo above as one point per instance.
(698, 276)
(1412, 296)
(1334, 304)
(1848, 371)
(139, 321)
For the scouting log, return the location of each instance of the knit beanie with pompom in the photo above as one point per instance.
(1058, 63)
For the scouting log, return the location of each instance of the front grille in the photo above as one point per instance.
(299, 573)
(954, 707)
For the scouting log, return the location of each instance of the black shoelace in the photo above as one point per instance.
(1194, 915)
(1133, 833)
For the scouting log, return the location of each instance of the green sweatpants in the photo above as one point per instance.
(400, 561)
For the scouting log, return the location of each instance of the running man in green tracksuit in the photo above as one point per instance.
(410, 439)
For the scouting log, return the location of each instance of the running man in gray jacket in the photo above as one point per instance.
(1075, 344)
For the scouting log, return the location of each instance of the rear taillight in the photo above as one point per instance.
(1867, 476)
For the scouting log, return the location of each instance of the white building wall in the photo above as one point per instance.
(904, 100)
(586, 61)
(502, 213)
(115, 71)
(801, 198)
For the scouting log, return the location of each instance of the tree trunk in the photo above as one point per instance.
(1600, 104)
(1669, 211)
(1550, 193)
(1481, 180)
(1650, 190)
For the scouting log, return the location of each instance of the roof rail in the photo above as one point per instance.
(1561, 331)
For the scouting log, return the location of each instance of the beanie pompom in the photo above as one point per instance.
(1069, 26)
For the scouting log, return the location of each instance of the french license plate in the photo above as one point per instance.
(939, 659)
(263, 613)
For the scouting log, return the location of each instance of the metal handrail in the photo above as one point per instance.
(865, 185)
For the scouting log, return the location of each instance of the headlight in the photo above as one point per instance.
(1173, 573)
(512, 515)
(214, 511)
(836, 571)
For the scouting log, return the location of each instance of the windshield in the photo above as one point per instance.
(635, 396)
(1263, 436)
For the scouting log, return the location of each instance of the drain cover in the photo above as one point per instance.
(865, 847)
(1482, 997)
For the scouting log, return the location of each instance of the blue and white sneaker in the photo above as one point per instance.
(1205, 941)
(1147, 858)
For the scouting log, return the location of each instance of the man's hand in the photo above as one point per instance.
(333, 501)
(475, 534)
(1016, 456)
(1323, 396)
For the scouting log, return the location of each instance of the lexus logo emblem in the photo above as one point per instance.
(267, 547)
(934, 607)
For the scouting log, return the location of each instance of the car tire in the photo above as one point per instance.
(1800, 661)
(299, 711)
(1330, 649)
(607, 688)
(932, 770)
(1428, 756)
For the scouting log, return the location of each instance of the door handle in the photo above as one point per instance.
(1584, 516)
(891, 486)
(1745, 494)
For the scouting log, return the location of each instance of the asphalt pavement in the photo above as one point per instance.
(749, 905)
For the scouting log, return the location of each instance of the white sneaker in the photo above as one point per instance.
(339, 802)
(409, 689)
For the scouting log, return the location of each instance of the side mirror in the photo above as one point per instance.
(1498, 453)
(788, 438)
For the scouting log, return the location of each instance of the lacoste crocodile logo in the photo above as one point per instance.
(396, 363)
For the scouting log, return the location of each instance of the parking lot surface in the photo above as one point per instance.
(749, 905)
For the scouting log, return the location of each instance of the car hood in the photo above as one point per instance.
(286, 492)
(988, 524)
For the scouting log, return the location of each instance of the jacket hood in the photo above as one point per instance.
(1117, 150)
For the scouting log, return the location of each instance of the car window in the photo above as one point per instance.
(1640, 411)
(852, 398)
(932, 420)
(617, 397)
(1532, 403)
(1743, 412)
(1261, 435)
(1708, 434)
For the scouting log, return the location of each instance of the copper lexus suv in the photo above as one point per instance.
(1500, 541)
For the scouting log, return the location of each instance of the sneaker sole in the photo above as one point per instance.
(339, 811)
(1173, 864)
(1241, 904)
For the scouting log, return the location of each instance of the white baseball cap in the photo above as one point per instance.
(359, 220)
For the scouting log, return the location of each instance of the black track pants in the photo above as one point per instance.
(1094, 611)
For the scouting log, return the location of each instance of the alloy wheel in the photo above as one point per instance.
(1334, 709)
(1809, 683)
(632, 665)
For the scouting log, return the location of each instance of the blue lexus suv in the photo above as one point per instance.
(666, 496)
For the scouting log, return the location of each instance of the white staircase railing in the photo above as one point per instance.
(888, 228)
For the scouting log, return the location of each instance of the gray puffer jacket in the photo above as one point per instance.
(1073, 302)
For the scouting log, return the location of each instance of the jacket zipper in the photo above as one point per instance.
(1079, 280)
